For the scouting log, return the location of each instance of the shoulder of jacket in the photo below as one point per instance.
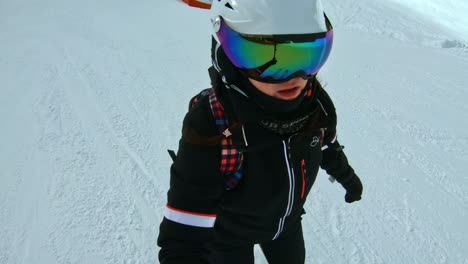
(326, 101)
(327, 107)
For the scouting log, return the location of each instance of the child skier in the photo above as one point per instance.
(252, 145)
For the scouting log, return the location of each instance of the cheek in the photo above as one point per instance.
(268, 89)
(272, 87)
(302, 83)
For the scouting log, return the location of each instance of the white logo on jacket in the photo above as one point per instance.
(315, 141)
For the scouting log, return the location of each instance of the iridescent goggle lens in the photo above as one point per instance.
(276, 58)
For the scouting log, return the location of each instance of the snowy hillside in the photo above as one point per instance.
(450, 14)
(93, 93)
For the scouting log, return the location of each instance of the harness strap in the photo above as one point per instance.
(231, 159)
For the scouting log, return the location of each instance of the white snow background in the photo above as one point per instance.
(92, 93)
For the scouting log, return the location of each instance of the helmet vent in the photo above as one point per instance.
(228, 6)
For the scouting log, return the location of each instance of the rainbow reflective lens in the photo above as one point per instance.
(276, 58)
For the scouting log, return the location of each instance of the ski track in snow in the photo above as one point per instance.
(93, 99)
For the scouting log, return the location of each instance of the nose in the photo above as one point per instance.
(293, 82)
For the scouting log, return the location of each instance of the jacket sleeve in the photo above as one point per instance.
(195, 189)
(334, 160)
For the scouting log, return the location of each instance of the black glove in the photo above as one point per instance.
(353, 189)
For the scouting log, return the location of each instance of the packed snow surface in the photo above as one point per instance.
(93, 93)
(451, 14)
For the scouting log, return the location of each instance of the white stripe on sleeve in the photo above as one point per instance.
(324, 147)
(189, 218)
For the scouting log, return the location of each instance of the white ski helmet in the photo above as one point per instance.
(271, 17)
(270, 40)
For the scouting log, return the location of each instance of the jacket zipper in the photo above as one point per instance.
(303, 171)
(287, 157)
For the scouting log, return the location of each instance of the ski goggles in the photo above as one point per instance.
(276, 58)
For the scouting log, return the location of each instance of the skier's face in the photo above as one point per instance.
(288, 90)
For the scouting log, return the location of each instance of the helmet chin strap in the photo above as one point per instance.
(229, 74)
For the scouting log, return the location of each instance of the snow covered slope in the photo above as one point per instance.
(93, 93)
(450, 14)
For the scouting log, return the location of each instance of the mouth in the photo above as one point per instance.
(290, 93)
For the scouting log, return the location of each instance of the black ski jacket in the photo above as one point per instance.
(278, 173)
